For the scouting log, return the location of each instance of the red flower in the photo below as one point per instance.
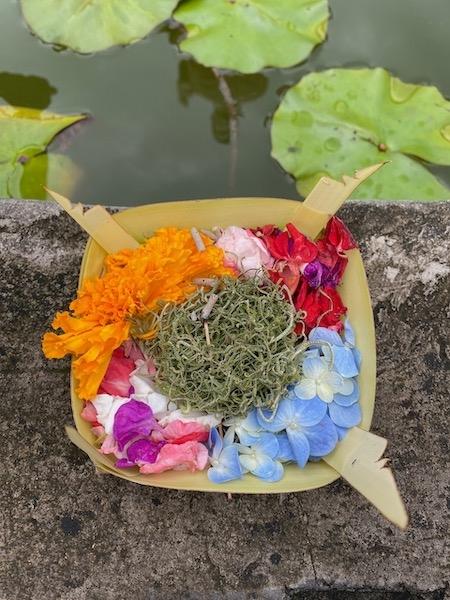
(337, 234)
(321, 306)
(290, 245)
(286, 273)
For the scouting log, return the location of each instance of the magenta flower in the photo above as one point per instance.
(313, 273)
(133, 419)
(139, 453)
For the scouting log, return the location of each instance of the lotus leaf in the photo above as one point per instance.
(25, 134)
(247, 35)
(56, 171)
(92, 25)
(336, 121)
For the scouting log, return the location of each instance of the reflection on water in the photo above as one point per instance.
(195, 79)
(164, 128)
(28, 91)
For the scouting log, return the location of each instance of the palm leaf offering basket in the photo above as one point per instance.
(358, 456)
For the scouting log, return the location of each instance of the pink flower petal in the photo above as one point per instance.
(132, 350)
(98, 430)
(116, 380)
(109, 445)
(191, 456)
(89, 413)
(179, 432)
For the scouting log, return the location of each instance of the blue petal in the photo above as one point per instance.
(277, 473)
(344, 361)
(312, 352)
(263, 467)
(247, 438)
(276, 422)
(228, 438)
(350, 399)
(215, 443)
(328, 336)
(308, 412)
(300, 446)
(267, 445)
(322, 437)
(345, 416)
(285, 453)
(229, 467)
(341, 431)
(250, 423)
(349, 334)
(357, 357)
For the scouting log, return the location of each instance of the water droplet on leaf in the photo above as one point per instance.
(401, 92)
(340, 107)
(332, 144)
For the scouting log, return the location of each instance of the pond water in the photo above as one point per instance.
(159, 126)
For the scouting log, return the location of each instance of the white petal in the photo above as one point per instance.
(106, 407)
(198, 417)
(141, 384)
(313, 368)
(325, 392)
(332, 379)
(347, 387)
(305, 389)
(157, 402)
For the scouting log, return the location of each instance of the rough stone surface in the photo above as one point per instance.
(67, 533)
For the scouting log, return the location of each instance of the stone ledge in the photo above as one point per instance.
(70, 534)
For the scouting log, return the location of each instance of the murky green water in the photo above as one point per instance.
(159, 128)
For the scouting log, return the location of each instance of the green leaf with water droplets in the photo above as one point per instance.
(336, 121)
(24, 135)
(248, 35)
(93, 25)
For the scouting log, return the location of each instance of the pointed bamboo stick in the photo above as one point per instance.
(358, 459)
(326, 198)
(98, 223)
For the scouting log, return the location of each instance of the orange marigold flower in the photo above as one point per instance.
(135, 282)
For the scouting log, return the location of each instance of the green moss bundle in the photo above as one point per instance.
(242, 354)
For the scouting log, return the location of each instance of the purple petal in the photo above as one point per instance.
(313, 273)
(124, 463)
(144, 451)
(133, 419)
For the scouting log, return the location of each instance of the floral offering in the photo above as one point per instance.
(226, 350)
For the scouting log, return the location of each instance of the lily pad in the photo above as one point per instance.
(24, 134)
(93, 25)
(339, 120)
(248, 35)
(55, 171)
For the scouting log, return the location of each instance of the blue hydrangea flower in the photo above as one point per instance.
(285, 453)
(260, 459)
(309, 430)
(342, 353)
(248, 430)
(329, 374)
(224, 458)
